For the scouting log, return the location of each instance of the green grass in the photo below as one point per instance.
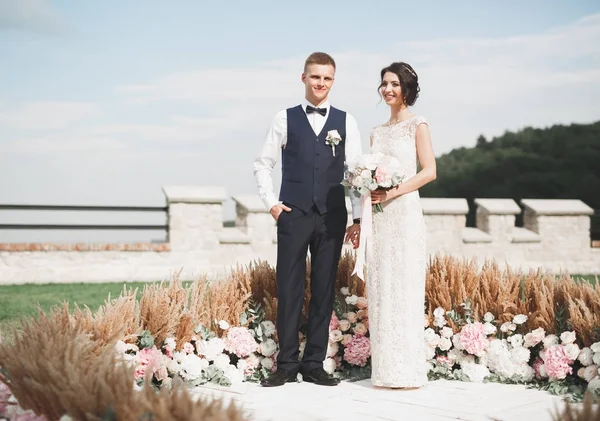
(17, 301)
(586, 278)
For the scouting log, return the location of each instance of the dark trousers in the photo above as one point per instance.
(297, 231)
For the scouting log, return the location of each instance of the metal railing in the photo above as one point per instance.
(162, 227)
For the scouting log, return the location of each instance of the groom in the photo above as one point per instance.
(314, 140)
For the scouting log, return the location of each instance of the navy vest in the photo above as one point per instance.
(311, 174)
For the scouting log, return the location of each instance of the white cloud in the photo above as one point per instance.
(46, 115)
(31, 15)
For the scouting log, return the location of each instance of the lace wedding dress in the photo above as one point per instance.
(396, 272)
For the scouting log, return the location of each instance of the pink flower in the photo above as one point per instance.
(147, 358)
(557, 363)
(537, 364)
(443, 359)
(5, 393)
(362, 304)
(240, 342)
(334, 323)
(28, 416)
(473, 338)
(358, 350)
(380, 175)
(252, 363)
(360, 329)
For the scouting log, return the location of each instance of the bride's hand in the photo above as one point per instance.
(380, 196)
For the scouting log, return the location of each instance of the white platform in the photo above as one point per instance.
(439, 400)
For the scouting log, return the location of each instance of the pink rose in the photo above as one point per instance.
(346, 339)
(361, 314)
(334, 323)
(352, 317)
(344, 325)
(188, 348)
(362, 303)
(380, 175)
(360, 329)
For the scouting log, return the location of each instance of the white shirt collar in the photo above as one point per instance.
(305, 103)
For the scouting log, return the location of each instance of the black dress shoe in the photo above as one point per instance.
(279, 378)
(319, 376)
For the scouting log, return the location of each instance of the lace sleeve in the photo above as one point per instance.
(419, 120)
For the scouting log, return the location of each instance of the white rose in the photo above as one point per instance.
(567, 337)
(211, 348)
(475, 372)
(336, 335)
(344, 325)
(170, 343)
(234, 374)
(508, 326)
(550, 340)
(439, 313)
(519, 319)
(223, 325)
(571, 351)
(590, 372)
(352, 300)
(429, 352)
(489, 328)
(192, 366)
(516, 340)
(329, 365)
(268, 347)
(594, 386)
(488, 317)
(267, 363)
(520, 355)
(445, 344)
(534, 337)
(268, 328)
(585, 356)
(222, 361)
(447, 332)
(432, 339)
(345, 291)
(332, 349)
(456, 342)
(120, 347)
(439, 322)
(595, 347)
(596, 358)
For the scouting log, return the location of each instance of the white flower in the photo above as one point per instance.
(571, 351)
(447, 332)
(345, 291)
(352, 300)
(268, 347)
(456, 355)
(508, 326)
(222, 361)
(596, 358)
(475, 372)
(525, 371)
(429, 352)
(567, 337)
(439, 313)
(432, 339)
(456, 342)
(595, 347)
(120, 347)
(534, 337)
(585, 356)
(329, 365)
(223, 325)
(590, 372)
(439, 322)
(542, 370)
(516, 340)
(235, 376)
(594, 386)
(489, 328)
(268, 328)
(519, 319)
(488, 317)
(170, 343)
(65, 418)
(192, 366)
(332, 349)
(344, 325)
(210, 349)
(336, 335)
(445, 344)
(267, 363)
(550, 340)
(520, 355)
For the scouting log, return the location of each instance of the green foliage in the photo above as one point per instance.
(559, 162)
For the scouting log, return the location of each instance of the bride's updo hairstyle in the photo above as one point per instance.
(409, 81)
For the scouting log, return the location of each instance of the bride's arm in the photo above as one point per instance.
(427, 161)
(426, 175)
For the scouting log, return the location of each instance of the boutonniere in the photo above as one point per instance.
(333, 139)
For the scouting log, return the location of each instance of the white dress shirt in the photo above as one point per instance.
(276, 139)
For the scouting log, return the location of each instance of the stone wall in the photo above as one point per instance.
(555, 237)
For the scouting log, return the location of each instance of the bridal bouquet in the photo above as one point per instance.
(370, 172)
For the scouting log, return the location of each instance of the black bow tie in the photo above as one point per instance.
(321, 111)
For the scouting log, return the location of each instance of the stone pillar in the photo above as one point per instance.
(497, 218)
(195, 217)
(446, 219)
(254, 219)
(563, 225)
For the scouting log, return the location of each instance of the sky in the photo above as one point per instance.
(106, 102)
